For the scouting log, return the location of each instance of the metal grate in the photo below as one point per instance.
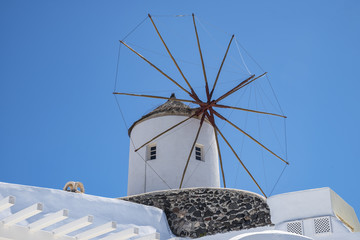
(322, 225)
(295, 227)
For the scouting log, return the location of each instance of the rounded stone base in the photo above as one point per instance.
(196, 212)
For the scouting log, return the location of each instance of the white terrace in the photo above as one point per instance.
(33, 213)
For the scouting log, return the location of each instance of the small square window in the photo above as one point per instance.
(151, 152)
(199, 152)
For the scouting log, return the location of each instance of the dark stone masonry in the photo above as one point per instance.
(197, 212)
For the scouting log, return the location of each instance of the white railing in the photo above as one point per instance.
(9, 229)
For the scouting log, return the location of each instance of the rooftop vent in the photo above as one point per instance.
(322, 225)
(295, 227)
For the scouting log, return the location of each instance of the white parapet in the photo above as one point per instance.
(270, 235)
(151, 236)
(128, 215)
(123, 235)
(49, 220)
(7, 202)
(73, 226)
(312, 203)
(23, 214)
(344, 212)
(95, 232)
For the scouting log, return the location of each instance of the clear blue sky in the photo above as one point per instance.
(59, 120)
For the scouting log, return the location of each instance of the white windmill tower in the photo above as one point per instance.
(159, 164)
(176, 146)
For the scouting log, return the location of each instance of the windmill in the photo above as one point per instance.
(207, 109)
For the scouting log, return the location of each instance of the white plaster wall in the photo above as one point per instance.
(307, 205)
(345, 211)
(300, 205)
(270, 235)
(172, 152)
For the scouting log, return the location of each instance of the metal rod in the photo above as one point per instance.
(248, 135)
(176, 64)
(202, 60)
(177, 84)
(192, 148)
(241, 161)
(169, 129)
(248, 110)
(151, 96)
(222, 63)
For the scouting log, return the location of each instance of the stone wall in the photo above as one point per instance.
(197, 212)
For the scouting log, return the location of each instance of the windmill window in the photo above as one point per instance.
(199, 152)
(151, 152)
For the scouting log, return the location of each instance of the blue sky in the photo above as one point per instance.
(60, 122)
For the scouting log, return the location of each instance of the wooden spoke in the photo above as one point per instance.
(220, 158)
(222, 63)
(252, 80)
(212, 121)
(248, 110)
(247, 170)
(177, 84)
(152, 96)
(167, 49)
(169, 129)
(233, 89)
(248, 135)
(202, 60)
(192, 148)
(239, 86)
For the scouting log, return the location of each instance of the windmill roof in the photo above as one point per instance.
(170, 107)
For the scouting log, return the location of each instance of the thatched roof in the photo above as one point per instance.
(170, 107)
